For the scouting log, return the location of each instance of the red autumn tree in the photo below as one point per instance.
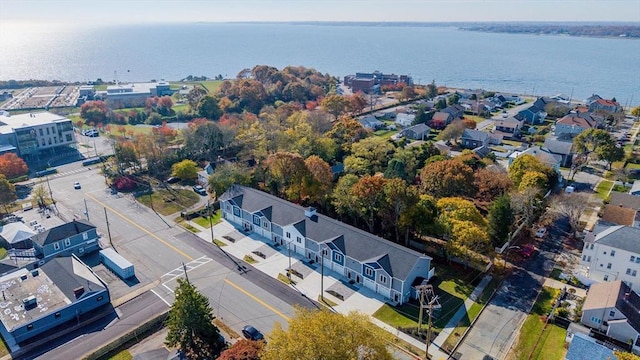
(243, 350)
(12, 166)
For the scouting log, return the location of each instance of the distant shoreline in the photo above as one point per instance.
(605, 30)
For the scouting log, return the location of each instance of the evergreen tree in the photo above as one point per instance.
(190, 324)
(500, 219)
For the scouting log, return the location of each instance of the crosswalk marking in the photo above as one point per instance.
(179, 271)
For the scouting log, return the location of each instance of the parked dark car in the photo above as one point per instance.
(252, 333)
(527, 251)
(173, 180)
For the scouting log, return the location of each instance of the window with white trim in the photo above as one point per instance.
(337, 257)
(591, 247)
(368, 271)
(56, 246)
(634, 273)
(609, 266)
(628, 271)
(613, 253)
(383, 279)
(256, 220)
(596, 320)
(67, 242)
(265, 224)
(85, 236)
(632, 258)
(236, 211)
(288, 235)
(299, 239)
(605, 278)
(612, 313)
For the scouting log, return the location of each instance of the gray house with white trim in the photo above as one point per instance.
(362, 258)
(76, 237)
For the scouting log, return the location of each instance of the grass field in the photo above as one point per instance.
(210, 85)
(122, 355)
(603, 188)
(536, 341)
(166, 203)
(204, 221)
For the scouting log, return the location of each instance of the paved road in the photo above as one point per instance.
(80, 343)
(158, 249)
(497, 327)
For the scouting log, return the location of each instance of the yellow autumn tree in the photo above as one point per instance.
(314, 334)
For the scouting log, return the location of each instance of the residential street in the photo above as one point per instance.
(497, 327)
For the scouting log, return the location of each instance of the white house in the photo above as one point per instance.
(612, 253)
(404, 119)
(613, 309)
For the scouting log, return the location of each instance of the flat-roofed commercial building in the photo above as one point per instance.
(38, 300)
(131, 95)
(33, 134)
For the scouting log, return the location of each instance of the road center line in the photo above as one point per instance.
(140, 227)
(276, 311)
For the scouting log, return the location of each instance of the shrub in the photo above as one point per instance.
(124, 184)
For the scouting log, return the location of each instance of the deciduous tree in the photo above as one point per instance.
(94, 111)
(370, 198)
(571, 206)
(590, 140)
(529, 163)
(286, 174)
(190, 324)
(185, 169)
(341, 337)
(12, 166)
(342, 197)
(453, 131)
(335, 105)
(318, 186)
(228, 174)
(533, 179)
(491, 183)
(447, 178)
(610, 152)
(467, 241)
(7, 193)
(420, 218)
(243, 350)
(454, 209)
(208, 108)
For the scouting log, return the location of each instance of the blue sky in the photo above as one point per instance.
(91, 12)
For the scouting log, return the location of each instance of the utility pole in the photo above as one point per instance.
(289, 252)
(211, 223)
(86, 209)
(106, 218)
(431, 303)
(184, 267)
(321, 274)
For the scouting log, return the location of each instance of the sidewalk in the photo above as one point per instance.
(359, 298)
(462, 311)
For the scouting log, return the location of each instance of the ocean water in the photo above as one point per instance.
(525, 64)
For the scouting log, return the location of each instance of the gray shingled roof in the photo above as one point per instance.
(476, 135)
(621, 237)
(625, 200)
(557, 146)
(397, 260)
(67, 277)
(582, 348)
(62, 232)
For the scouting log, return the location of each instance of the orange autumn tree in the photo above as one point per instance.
(12, 166)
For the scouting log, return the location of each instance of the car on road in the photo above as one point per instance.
(541, 232)
(200, 190)
(76, 185)
(527, 251)
(252, 333)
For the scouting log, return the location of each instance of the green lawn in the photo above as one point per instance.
(3, 253)
(143, 130)
(453, 286)
(603, 188)
(122, 355)
(535, 341)
(204, 221)
(385, 133)
(631, 166)
(211, 85)
(166, 203)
